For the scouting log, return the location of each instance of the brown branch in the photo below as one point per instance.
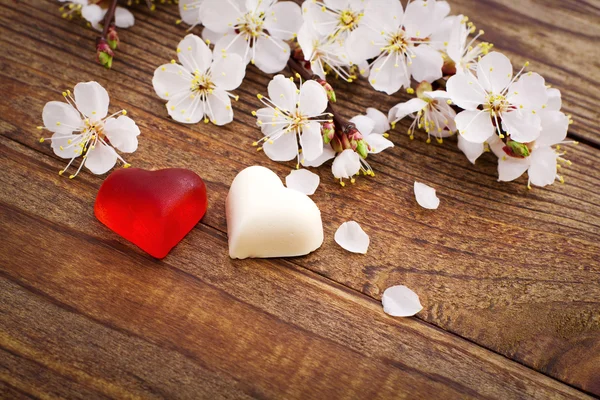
(108, 19)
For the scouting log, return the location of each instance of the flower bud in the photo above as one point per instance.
(104, 53)
(112, 37)
(449, 67)
(362, 148)
(328, 89)
(328, 131)
(516, 149)
(422, 88)
(352, 133)
(336, 145)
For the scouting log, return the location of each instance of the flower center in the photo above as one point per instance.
(397, 43)
(297, 120)
(349, 20)
(251, 24)
(202, 84)
(496, 104)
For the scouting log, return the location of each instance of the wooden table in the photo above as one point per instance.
(509, 278)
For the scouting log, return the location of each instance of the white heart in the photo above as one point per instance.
(266, 219)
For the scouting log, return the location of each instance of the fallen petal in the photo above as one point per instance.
(400, 301)
(303, 181)
(426, 196)
(352, 238)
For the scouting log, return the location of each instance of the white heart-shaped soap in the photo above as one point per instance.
(266, 219)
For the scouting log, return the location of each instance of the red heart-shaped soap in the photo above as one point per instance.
(152, 209)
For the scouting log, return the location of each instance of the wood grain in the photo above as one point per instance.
(89, 315)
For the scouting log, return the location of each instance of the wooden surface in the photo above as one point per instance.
(509, 278)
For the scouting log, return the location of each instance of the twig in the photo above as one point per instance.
(108, 19)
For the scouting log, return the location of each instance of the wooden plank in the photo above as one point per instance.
(257, 328)
(512, 270)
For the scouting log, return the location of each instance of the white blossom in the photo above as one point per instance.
(256, 30)
(399, 42)
(81, 127)
(94, 13)
(292, 115)
(199, 86)
(453, 39)
(541, 158)
(334, 19)
(433, 114)
(324, 54)
(373, 128)
(495, 99)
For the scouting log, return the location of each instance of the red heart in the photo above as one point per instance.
(152, 209)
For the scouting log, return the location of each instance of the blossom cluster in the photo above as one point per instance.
(461, 86)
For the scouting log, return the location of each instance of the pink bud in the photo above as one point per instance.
(104, 53)
(328, 89)
(112, 37)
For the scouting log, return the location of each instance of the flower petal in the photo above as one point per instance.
(328, 154)
(122, 133)
(523, 127)
(359, 44)
(377, 143)
(171, 79)
(426, 196)
(419, 18)
(400, 301)
(401, 110)
(352, 238)
(346, 164)
(283, 20)
(510, 168)
(555, 125)
(219, 15)
(283, 93)
(554, 99)
(123, 18)
(465, 91)
(190, 12)
(66, 146)
(471, 150)
(303, 181)
(542, 170)
(93, 13)
(194, 54)
(494, 72)
(233, 43)
(218, 108)
(529, 92)
(476, 126)
(228, 72)
(311, 141)
(312, 100)
(387, 76)
(364, 124)
(92, 100)
(186, 108)
(284, 148)
(271, 54)
(61, 117)
(100, 159)
(382, 124)
(427, 66)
